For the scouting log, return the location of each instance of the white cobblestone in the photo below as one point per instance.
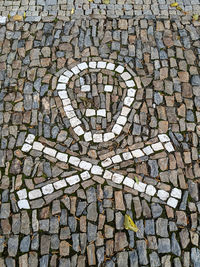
(35, 194)
(163, 195)
(62, 157)
(22, 194)
(47, 189)
(26, 147)
(60, 184)
(117, 178)
(50, 151)
(23, 204)
(97, 170)
(74, 161)
(140, 187)
(85, 165)
(107, 175)
(30, 138)
(150, 190)
(172, 202)
(38, 146)
(73, 179)
(129, 182)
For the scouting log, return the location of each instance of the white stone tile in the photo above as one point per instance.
(116, 159)
(62, 156)
(26, 147)
(101, 65)
(130, 83)
(61, 86)
(85, 88)
(172, 202)
(108, 136)
(74, 161)
(22, 194)
(73, 179)
(35, 194)
(177, 193)
(128, 101)
(117, 178)
(74, 122)
(126, 76)
(97, 170)
(137, 153)
(68, 108)
(85, 175)
(131, 92)
(140, 187)
(97, 138)
(125, 111)
(50, 151)
(101, 112)
(88, 136)
(3, 20)
(90, 112)
(85, 165)
(127, 155)
(150, 190)
(68, 73)
(23, 204)
(60, 184)
(106, 162)
(129, 182)
(92, 65)
(110, 66)
(30, 138)
(163, 195)
(108, 88)
(117, 129)
(157, 146)
(121, 120)
(62, 94)
(107, 175)
(63, 79)
(70, 114)
(148, 150)
(82, 66)
(38, 146)
(75, 70)
(47, 189)
(169, 147)
(163, 138)
(79, 130)
(66, 102)
(119, 69)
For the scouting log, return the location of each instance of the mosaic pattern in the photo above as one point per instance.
(96, 137)
(99, 118)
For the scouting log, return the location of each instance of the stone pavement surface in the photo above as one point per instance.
(99, 117)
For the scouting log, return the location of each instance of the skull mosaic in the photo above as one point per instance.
(98, 98)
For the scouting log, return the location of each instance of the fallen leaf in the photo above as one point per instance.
(90, 0)
(179, 8)
(195, 17)
(17, 18)
(24, 14)
(129, 224)
(72, 11)
(175, 4)
(136, 179)
(106, 2)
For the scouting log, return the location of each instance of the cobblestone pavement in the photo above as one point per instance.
(99, 117)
